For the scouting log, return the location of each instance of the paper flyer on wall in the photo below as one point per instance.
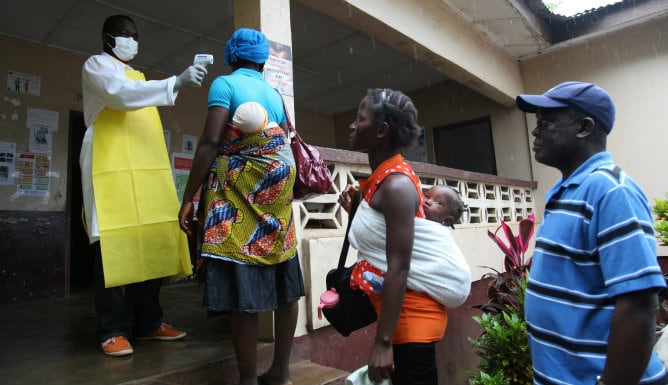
(278, 68)
(40, 140)
(7, 162)
(23, 83)
(181, 164)
(42, 124)
(33, 174)
(189, 144)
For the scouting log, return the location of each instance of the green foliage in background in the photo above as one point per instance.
(660, 209)
(552, 5)
(503, 348)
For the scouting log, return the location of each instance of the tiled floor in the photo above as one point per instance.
(53, 342)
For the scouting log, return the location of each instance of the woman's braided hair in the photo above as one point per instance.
(397, 109)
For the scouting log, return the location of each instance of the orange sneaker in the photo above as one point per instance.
(165, 333)
(116, 346)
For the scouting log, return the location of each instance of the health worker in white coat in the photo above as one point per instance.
(130, 201)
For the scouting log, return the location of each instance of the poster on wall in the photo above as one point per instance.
(181, 164)
(41, 123)
(189, 144)
(23, 83)
(33, 174)
(40, 140)
(7, 155)
(278, 68)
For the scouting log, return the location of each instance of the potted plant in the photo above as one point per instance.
(503, 346)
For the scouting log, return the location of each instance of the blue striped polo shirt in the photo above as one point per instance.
(596, 242)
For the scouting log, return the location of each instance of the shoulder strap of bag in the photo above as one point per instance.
(291, 129)
(346, 244)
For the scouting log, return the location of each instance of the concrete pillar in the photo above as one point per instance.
(272, 17)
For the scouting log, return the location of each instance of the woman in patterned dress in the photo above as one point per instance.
(248, 231)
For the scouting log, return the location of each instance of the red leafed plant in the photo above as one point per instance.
(506, 289)
(503, 346)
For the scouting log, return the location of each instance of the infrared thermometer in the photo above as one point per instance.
(203, 59)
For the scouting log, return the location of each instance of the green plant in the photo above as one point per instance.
(503, 346)
(660, 209)
(503, 350)
(552, 5)
(482, 378)
(505, 287)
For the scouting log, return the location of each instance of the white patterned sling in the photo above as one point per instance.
(438, 266)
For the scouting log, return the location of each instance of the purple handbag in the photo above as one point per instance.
(313, 175)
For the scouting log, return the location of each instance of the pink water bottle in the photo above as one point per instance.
(328, 299)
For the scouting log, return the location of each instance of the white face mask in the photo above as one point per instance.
(126, 48)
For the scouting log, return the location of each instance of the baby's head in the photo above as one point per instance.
(443, 204)
(249, 118)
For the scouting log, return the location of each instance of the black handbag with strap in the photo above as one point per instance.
(354, 310)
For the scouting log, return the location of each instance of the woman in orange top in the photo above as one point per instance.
(409, 322)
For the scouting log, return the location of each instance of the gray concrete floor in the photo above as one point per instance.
(53, 342)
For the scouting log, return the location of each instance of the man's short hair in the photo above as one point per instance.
(113, 21)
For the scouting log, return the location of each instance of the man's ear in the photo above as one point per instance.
(586, 127)
(108, 42)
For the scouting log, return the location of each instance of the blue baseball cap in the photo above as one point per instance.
(588, 98)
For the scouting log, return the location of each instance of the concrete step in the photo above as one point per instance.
(310, 373)
(222, 370)
(225, 373)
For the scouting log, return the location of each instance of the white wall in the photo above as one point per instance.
(60, 91)
(632, 65)
(451, 102)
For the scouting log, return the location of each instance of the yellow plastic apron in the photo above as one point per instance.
(135, 198)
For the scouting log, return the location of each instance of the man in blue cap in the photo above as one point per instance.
(591, 298)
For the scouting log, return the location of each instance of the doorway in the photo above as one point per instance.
(80, 255)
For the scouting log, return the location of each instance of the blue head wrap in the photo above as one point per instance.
(247, 44)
